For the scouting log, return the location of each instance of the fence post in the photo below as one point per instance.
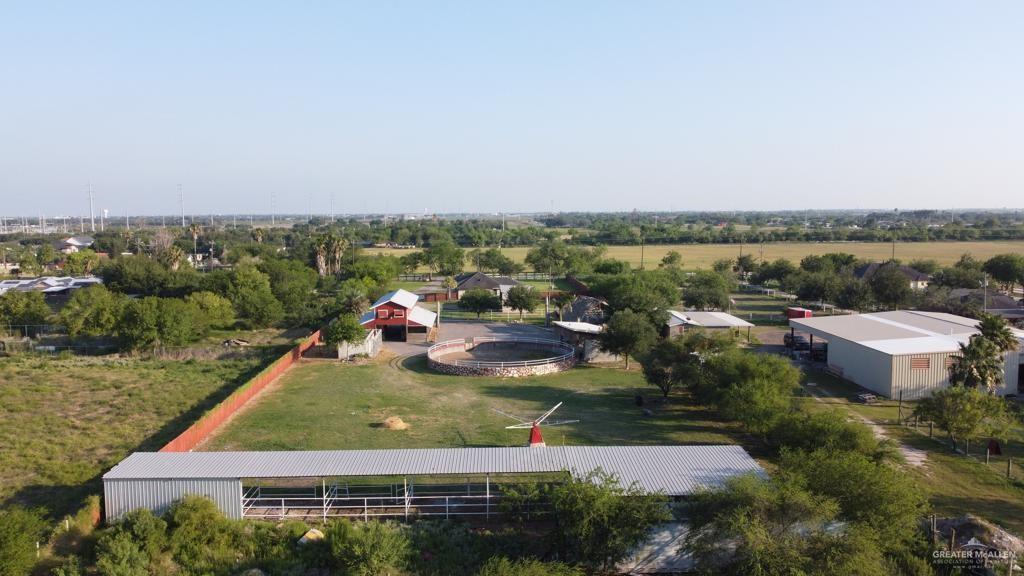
(366, 512)
(445, 507)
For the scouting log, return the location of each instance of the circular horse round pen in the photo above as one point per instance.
(506, 357)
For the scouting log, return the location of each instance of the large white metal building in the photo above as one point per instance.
(420, 482)
(904, 351)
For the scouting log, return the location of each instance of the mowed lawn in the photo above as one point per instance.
(703, 255)
(65, 421)
(322, 405)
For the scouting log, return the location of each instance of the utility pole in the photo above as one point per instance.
(181, 204)
(127, 224)
(332, 207)
(273, 208)
(92, 216)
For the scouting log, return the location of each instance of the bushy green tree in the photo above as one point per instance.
(444, 257)
(890, 287)
(178, 322)
(679, 361)
(874, 494)
(254, 302)
(963, 412)
(214, 311)
(829, 430)
(597, 521)
(671, 259)
(522, 298)
(139, 325)
(27, 308)
(80, 263)
(757, 526)
(344, 328)
(627, 334)
(291, 281)
(707, 290)
(20, 529)
(479, 301)
(649, 292)
(753, 389)
(1007, 269)
(92, 311)
(135, 275)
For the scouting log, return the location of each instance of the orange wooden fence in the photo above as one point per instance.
(209, 422)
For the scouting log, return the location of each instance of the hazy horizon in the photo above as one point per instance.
(511, 107)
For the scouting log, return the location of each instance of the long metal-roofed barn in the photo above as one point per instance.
(906, 352)
(248, 484)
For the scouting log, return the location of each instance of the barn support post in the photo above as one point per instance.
(323, 494)
(405, 495)
(488, 500)
(366, 511)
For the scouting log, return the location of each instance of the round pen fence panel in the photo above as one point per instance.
(504, 357)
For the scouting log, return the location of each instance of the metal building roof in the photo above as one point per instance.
(403, 298)
(584, 327)
(897, 332)
(706, 319)
(674, 470)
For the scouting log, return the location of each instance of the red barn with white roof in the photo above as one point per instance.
(397, 316)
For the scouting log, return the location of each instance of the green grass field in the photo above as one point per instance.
(326, 405)
(703, 255)
(955, 483)
(65, 421)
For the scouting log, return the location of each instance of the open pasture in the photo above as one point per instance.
(322, 405)
(703, 255)
(65, 421)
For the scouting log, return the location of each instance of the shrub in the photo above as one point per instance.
(20, 529)
(368, 549)
(501, 566)
(201, 538)
(118, 554)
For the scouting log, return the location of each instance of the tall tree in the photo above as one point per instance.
(522, 298)
(890, 287)
(707, 290)
(1007, 269)
(627, 333)
(479, 301)
(995, 329)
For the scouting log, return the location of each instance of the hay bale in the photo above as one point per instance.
(395, 423)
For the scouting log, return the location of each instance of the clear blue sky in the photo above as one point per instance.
(488, 106)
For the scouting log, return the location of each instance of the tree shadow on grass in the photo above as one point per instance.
(60, 500)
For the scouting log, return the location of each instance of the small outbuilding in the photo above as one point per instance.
(584, 337)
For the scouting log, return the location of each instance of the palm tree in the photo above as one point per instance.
(173, 257)
(320, 254)
(979, 365)
(449, 283)
(257, 235)
(336, 246)
(195, 229)
(997, 331)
